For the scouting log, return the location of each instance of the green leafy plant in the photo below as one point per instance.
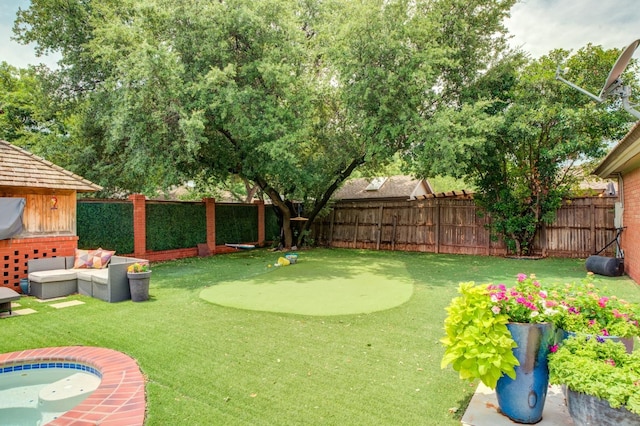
(598, 367)
(478, 343)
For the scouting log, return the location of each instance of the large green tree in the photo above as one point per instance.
(290, 95)
(27, 117)
(519, 135)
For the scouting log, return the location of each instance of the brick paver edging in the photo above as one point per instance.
(120, 398)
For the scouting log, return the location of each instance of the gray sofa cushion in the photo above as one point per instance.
(53, 275)
(100, 276)
(88, 274)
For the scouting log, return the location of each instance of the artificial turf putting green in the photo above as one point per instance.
(316, 287)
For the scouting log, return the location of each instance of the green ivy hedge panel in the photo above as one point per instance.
(174, 226)
(271, 226)
(105, 224)
(236, 224)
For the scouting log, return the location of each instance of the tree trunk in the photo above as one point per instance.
(287, 233)
(326, 196)
(283, 208)
(286, 208)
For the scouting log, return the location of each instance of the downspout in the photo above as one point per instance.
(620, 253)
(620, 188)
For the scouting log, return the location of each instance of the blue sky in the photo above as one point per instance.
(536, 25)
(10, 51)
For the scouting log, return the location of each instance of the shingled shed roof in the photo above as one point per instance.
(20, 168)
(394, 187)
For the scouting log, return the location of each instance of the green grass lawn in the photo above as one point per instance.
(209, 364)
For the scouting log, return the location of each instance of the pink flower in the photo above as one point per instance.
(521, 277)
(604, 332)
(603, 302)
(610, 362)
(495, 309)
(553, 348)
(543, 294)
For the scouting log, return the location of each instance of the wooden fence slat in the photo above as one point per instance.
(452, 225)
(379, 236)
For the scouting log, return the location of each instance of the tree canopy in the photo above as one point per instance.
(290, 95)
(519, 135)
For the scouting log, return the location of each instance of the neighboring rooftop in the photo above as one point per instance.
(22, 169)
(388, 188)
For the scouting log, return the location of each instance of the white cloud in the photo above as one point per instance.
(539, 26)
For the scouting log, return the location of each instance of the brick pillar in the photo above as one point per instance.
(260, 204)
(210, 205)
(139, 224)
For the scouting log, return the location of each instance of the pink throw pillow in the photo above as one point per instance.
(101, 258)
(83, 260)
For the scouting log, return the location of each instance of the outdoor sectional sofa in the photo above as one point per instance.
(56, 277)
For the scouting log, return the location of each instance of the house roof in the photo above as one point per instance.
(20, 168)
(394, 187)
(624, 157)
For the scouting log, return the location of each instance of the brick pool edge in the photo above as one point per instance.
(120, 398)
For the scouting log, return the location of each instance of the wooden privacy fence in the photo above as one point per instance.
(456, 225)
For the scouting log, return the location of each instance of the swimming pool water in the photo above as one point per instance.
(35, 394)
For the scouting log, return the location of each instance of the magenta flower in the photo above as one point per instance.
(521, 277)
(553, 348)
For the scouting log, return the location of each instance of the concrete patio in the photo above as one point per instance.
(483, 410)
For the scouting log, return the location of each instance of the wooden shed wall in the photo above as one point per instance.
(40, 218)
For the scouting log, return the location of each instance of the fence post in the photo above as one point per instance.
(393, 232)
(261, 226)
(139, 224)
(333, 216)
(543, 239)
(210, 207)
(379, 236)
(592, 211)
(437, 227)
(355, 234)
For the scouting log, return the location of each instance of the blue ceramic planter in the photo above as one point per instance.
(522, 399)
